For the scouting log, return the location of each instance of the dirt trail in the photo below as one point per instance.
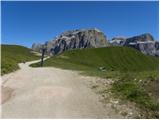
(50, 93)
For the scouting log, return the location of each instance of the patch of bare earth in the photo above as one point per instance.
(6, 94)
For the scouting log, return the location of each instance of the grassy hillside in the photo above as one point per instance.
(135, 74)
(112, 58)
(11, 55)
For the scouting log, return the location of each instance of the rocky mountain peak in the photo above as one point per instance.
(146, 37)
(74, 39)
(144, 43)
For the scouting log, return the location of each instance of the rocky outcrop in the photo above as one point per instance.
(140, 38)
(144, 43)
(118, 41)
(148, 48)
(36, 47)
(84, 38)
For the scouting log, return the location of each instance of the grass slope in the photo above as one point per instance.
(112, 58)
(11, 55)
(135, 74)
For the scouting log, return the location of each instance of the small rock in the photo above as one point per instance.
(102, 68)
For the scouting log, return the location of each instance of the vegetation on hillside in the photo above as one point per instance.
(11, 55)
(135, 74)
(141, 88)
(110, 58)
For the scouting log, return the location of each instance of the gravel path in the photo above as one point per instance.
(50, 93)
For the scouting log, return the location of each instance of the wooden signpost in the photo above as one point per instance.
(44, 48)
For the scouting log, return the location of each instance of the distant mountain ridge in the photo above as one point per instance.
(144, 43)
(94, 38)
(83, 38)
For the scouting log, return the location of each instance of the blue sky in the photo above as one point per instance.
(24, 23)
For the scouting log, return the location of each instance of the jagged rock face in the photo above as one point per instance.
(85, 38)
(118, 41)
(144, 43)
(36, 47)
(148, 48)
(140, 38)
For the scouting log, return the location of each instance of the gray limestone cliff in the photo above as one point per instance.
(145, 43)
(75, 39)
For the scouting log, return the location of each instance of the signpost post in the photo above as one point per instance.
(43, 52)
